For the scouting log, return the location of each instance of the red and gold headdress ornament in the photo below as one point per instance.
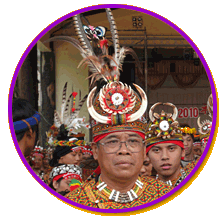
(163, 127)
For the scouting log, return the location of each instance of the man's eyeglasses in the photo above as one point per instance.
(114, 145)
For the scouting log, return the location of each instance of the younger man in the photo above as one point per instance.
(165, 146)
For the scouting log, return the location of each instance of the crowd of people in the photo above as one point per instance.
(130, 160)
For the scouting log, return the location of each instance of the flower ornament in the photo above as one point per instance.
(188, 130)
(163, 125)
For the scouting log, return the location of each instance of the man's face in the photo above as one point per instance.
(45, 162)
(123, 164)
(146, 168)
(30, 141)
(74, 157)
(63, 185)
(188, 144)
(37, 162)
(165, 158)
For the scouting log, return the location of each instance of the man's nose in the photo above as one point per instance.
(123, 148)
(143, 170)
(165, 155)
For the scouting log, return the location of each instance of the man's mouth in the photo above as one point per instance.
(123, 163)
(166, 166)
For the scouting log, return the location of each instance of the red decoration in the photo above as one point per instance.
(74, 94)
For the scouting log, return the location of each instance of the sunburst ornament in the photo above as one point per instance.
(205, 126)
(163, 125)
(117, 98)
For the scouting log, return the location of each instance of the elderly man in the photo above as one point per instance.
(119, 147)
(118, 129)
(165, 146)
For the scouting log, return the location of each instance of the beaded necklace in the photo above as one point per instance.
(116, 196)
(182, 176)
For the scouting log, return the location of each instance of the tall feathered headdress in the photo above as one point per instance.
(115, 103)
(67, 122)
(101, 65)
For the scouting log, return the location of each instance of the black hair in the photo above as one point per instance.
(22, 109)
(187, 125)
(58, 181)
(63, 193)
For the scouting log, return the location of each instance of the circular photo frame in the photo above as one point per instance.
(136, 25)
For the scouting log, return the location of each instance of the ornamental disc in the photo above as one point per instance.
(117, 98)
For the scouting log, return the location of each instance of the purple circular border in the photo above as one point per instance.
(101, 7)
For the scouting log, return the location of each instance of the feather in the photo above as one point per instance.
(66, 111)
(57, 119)
(72, 41)
(78, 26)
(92, 61)
(63, 101)
(114, 33)
(76, 112)
(125, 51)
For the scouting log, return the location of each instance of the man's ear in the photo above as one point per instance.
(55, 184)
(29, 133)
(61, 160)
(94, 147)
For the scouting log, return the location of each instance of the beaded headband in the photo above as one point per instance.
(65, 171)
(25, 124)
(86, 149)
(163, 127)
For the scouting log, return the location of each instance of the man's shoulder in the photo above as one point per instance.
(153, 184)
(189, 167)
(80, 192)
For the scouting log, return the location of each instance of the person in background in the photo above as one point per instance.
(65, 178)
(147, 167)
(63, 135)
(188, 140)
(25, 122)
(165, 146)
(197, 146)
(36, 161)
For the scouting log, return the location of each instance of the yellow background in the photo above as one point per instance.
(22, 197)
